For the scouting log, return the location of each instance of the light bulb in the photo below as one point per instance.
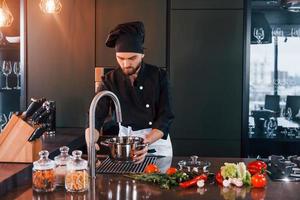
(6, 17)
(50, 6)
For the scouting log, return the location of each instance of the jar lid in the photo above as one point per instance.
(63, 157)
(76, 162)
(44, 162)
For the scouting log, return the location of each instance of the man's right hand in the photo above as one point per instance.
(96, 137)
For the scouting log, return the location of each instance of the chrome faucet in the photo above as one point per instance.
(91, 149)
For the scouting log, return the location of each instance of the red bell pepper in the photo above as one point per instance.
(219, 178)
(257, 166)
(193, 181)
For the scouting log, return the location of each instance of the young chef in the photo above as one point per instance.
(143, 92)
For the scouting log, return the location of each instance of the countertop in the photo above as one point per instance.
(112, 186)
(13, 175)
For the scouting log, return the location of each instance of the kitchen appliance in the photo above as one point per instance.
(284, 168)
(122, 148)
(109, 166)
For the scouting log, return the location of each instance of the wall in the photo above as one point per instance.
(61, 58)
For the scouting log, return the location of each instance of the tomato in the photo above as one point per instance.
(151, 168)
(258, 180)
(171, 171)
(219, 178)
(193, 181)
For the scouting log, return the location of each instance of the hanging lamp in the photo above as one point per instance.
(50, 6)
(6, 17)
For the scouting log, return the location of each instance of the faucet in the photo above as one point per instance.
(91, 149)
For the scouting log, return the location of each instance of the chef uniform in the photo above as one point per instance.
(145, 104)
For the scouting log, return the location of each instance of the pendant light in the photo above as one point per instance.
(6, 18)
(50, 6)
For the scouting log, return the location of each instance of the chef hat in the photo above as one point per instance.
(127, 37)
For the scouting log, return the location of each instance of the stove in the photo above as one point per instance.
(284, 168)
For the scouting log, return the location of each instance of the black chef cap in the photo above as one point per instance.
(127, 37)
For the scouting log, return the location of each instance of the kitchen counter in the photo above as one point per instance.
(13, 175)
(112, 186)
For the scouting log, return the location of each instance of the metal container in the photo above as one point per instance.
(122, 148)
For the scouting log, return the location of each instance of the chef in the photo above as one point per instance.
(143, 92)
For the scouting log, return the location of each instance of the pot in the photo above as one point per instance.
(122, 148)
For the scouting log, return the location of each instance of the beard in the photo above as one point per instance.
(131, 69)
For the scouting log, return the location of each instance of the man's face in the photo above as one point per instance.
(129, 61)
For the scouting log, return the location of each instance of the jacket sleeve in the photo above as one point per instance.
(102, 108)
(165, 115)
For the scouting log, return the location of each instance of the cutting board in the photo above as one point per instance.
(14, 146)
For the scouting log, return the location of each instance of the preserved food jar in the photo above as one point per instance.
(61, 165)
(77, 178)
(43, 175)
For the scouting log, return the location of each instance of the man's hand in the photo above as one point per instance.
(139, 155)
(151, 137)
(96, 137)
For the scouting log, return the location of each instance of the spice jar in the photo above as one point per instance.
(43, 175)
(77, 178)
(61, 165)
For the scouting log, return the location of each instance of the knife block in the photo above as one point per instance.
(14, 146)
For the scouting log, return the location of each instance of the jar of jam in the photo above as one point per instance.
(43, 174)
(61, 165)
(77, 178)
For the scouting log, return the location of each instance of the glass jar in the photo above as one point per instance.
(61, 165)
(77, 178)
(43, 175)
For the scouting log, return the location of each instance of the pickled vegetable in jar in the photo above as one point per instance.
(77, 177)
(43, 174)
(61, 165)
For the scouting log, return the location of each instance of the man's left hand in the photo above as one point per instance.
(139, 155)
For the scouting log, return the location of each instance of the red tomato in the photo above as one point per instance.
(151, 168)
(258, 181)
(171, 171)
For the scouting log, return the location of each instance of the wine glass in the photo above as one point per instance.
(6, 69)
(259, 34)
(3, 121)
(17, 71)
(289, 113)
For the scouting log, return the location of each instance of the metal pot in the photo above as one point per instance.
(122, 148)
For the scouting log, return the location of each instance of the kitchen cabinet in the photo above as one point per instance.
(61, 58)
(207, 4)
(110, 13)
(206, 71)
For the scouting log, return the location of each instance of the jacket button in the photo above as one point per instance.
(141, 87)
(147, 105)
(150, 123)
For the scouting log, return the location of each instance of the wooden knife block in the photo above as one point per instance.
(14, 146)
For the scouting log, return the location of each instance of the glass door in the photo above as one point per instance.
(12, 61)
(274, 78)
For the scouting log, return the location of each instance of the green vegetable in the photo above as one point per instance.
(165, 181)
(247, 179)
(229, 170)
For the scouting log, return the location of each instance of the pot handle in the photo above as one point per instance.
(104, 143)
(142, 145)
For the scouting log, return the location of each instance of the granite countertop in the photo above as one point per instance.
(113, 186)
